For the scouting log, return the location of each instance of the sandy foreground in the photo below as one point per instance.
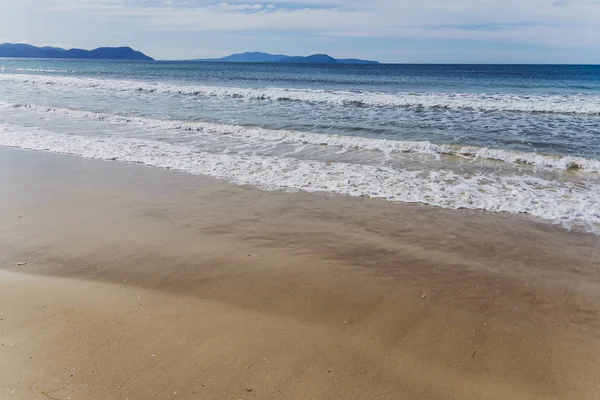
(143, 283)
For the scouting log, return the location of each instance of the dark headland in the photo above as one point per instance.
(18, 50)
(280, 58)
(101, 53)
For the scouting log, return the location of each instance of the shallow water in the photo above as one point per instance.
(521, 139)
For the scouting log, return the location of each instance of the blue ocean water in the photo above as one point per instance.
(510, 138)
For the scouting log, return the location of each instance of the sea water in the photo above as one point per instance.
(502, 138)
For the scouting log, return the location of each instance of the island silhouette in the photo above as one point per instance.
(19, 50)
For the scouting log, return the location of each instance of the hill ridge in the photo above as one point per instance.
(19, 50)
(259, 57)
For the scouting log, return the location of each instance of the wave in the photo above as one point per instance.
(346, 142)
(558, 202)
(61, 71)
(500, 102)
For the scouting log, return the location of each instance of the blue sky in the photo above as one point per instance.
(472, 31)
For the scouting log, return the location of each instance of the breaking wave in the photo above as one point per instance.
(346, 142)
(558, 202)
(489, 102)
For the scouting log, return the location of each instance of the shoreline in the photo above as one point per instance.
(345, 297)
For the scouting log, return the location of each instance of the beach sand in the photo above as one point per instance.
(143, 283)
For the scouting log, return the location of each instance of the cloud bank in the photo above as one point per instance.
(536, 30)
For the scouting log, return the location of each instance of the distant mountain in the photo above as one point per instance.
(279, 58)
(102, 53)
(53, 48)
(314, 59)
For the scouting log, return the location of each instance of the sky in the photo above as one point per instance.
(403, 31)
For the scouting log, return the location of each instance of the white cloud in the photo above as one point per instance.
(357, 17)
(559, 24)
(239, 7)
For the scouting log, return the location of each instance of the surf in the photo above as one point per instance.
(568, 104)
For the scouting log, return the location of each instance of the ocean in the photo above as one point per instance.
(503, 138)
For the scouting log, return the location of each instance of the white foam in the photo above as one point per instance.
(4, 69)
(346, 142)
(558, 202)
(562, 104)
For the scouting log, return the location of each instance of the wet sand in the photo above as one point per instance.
(143, 283)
